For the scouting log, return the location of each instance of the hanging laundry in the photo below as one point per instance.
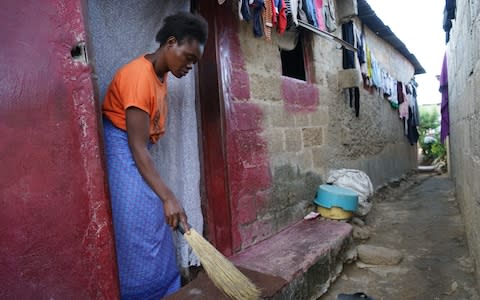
(309, 8)
(376, 74)
(282, 16)
(400, 92)
(292, 12)
(412, 132)
(394, 97)
(329, 15)
(414, 103)
(360, 40)
(384, 87)
(387, 85)
(275, 12)
(302, 11)
(244, 8)
(258, 7)
(349, 62)
(319, 14)
(267, 19)
(403, 105)
(369, 63)
(448, 16)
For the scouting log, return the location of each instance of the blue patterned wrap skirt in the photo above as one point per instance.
(143, 240)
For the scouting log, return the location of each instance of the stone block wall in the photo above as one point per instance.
(463, 56)
(309, 128)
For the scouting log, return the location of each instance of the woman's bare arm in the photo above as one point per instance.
(138, 135)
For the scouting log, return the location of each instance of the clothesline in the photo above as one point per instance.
(327, 35)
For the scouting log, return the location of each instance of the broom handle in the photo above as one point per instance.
(181, 229)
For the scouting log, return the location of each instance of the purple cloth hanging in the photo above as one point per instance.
(445, 123)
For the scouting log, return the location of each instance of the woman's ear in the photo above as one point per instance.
(171, 41)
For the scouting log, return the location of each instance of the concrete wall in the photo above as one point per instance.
(309, 128)
(374, 142)
(464, 106)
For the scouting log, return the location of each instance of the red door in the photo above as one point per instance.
(56, 237)
(216, 200)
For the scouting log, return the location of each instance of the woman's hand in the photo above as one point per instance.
(174, 213)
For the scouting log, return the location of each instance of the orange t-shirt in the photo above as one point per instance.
(136, 85)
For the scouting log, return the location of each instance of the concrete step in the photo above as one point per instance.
(298, 263)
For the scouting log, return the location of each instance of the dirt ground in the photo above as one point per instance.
(420, 217)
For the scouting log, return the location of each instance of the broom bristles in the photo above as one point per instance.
(221, 271)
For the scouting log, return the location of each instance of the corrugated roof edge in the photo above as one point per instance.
(372, 21)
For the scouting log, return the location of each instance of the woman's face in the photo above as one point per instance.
(182, 56)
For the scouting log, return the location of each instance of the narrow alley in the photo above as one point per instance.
(418, 216)
(240, 113)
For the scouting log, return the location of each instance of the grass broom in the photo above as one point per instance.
(220, 270)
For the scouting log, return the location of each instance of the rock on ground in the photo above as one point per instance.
(376, 255)
(361, 233)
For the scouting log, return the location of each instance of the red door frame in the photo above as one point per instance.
(216, 198)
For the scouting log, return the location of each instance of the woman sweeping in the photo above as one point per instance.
(143, 207)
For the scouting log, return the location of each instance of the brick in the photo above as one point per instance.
(319, 118)
(246, 116)
(320, 157)
(258, 178)
(293, 140)
(312, 136)
(249, 147)
(305, 161)
(279, 117)
(240, 85)
(265, 88)
(302, 119)
(275, 139)
(332, 81)
(263, 201)
(299, 96)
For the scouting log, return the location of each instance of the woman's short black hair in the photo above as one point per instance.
(183, 26)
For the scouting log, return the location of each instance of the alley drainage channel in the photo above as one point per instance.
(419, 221)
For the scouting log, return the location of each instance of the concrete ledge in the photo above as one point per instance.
(297, 263)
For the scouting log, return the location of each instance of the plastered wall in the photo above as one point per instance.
(463, 56)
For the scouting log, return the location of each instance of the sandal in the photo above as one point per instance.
(356, 296)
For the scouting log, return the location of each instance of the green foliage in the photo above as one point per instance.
(429, 119)
(438, 150)
(430, 127)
